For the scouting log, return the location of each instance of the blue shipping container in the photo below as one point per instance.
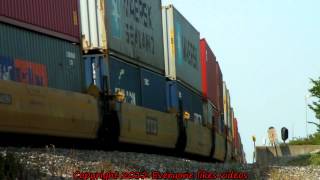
(153, 90)
(6, 68)
(126, 78)
(96, 69)
(191, 102)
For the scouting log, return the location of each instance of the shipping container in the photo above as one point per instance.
(212, 82)
(181, 48)
(6, 68)
(210, 75)
(61, 58)
(204, 60)
(228, 112)
(225, 105)
(153, 90)
(236, 133)
(125, 77)
(191, 102)
(209, 113)
(237, 145)
(57, 18)
(232, 123)
(213, 116)
(96, 71)
(220, 88)
(93, 27)
(132, 30)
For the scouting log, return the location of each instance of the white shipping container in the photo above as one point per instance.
(128, 29)
(93, 29)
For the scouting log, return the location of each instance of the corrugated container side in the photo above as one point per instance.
(134, 30)
(93, 29)
(225, 105)
(236, 133)
(210, 115)
(191, 102)
(229, 114)
(61, 58)
(126, 78)
(96, 71)
(57, 18)
(182, 49)
(219, 90)
(210, 75)
(231, 122)
(220, 95)
(153, 90)
(7, 68)
(227, 111)
(203, 58)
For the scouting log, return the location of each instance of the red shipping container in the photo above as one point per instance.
(209, 74)
(57, 18)
(30, 73)
(203, 59)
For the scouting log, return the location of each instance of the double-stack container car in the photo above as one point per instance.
(210, 75)
(39, 43)
(40, 50)
(113, 71)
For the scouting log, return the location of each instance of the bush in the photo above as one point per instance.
(311, 140)
(315, 159)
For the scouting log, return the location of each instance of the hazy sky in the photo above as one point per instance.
(268, 50)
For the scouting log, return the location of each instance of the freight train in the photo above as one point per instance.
(138, 74)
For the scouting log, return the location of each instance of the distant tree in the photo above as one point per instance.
(315, 92)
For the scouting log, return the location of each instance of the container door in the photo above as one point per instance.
(153, 90)
(125, 78)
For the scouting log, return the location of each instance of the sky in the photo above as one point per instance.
(268, 50)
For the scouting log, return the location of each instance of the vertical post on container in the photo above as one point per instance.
(181, 123)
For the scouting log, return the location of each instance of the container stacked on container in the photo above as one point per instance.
(123, 46)
(182, 61)
(211, 90)
(40, 43)
(211, 83)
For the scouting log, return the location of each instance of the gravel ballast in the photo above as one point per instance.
(55, 163)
